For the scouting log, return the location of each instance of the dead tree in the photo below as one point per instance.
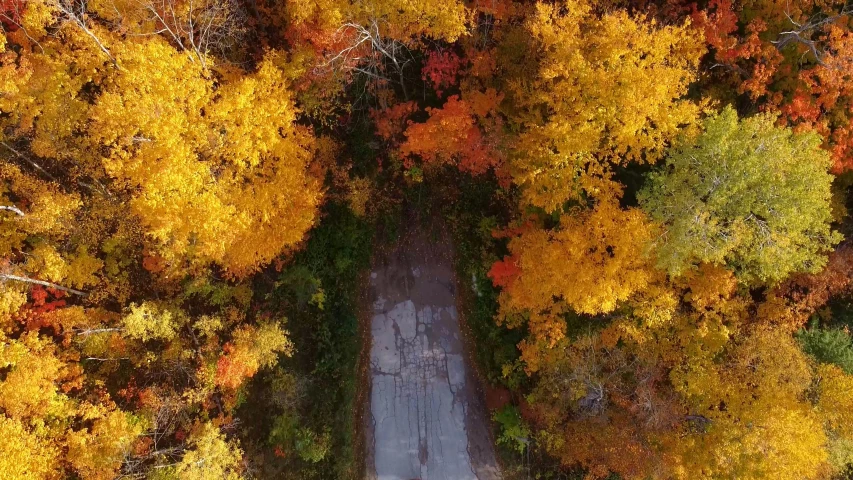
(200, 27)
(370, 53)
(802, 33)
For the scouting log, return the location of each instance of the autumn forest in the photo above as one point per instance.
(647, 201)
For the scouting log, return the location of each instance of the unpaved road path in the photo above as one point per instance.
(427, 420)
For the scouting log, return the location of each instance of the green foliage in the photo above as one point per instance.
(300, 284)
(830, 345)
(311, 396)
(216, 293)
(514, 433)
(747, 194)
(310, 446)
(472, 217)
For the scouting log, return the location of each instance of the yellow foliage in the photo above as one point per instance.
(254, 117)
(43, 96)
(29, 389)
(360, 190)
(593, 261)
(835, 401)
(252, 348)
(765, 429)
(82, 269)
(47, 263)
(38, 16)
(12, 298)
(211, 456)
(598, 99)
(227, 186)
(49, 211)
(402, 20)
(25, 455)
(97, 454)
(150, 321)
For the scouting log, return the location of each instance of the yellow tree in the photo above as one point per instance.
(686, 403)
(747, 194)
(606, 91)
(748, 415)
(210, 456)
(25, 454)
(835, 408)
(403, 21)
(238, 198)
(274, 197)
(591, 262)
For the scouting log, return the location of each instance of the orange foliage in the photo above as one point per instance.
(34, 312)
(825, 102)
(390, 122)
(793, 302)
(498, 9)
(233, 367)
(451, 135)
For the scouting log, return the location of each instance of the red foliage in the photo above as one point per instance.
(496, 397)
(805, 294)
(441, 69)
(825, 104)
(44, 301)
(10, 14)
(504, 272)
(814, 94)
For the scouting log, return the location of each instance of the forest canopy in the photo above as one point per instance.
(649, 202)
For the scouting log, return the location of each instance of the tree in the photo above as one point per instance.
(211, 456)
(792, 57)
(579, 113)
(452, 135)
(735, 403)
(757, 425)
(98, 453)
(591, 262)
(25, 454)
(264, 197)
(746, 194)
(829, 345)
(600, 408)
(251, 349)
(30, 389)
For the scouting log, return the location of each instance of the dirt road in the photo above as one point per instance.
(427, 420)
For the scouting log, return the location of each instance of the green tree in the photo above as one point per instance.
(747, 194)
(832, 345)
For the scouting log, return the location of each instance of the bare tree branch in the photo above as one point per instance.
(370, 63)
(13, 209)
(803, 31)
(6, 276)
(208, 26)
(30, 161)
(74, 12)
